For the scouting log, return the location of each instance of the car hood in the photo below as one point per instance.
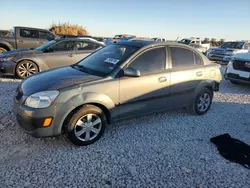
(21, 52)
(245, 56)
(225, 49)
(55, 79)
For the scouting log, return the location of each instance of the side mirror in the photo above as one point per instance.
(131, 72)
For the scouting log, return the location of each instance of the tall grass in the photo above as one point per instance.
(67, 29)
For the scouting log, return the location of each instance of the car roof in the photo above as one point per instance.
(75, 39)
(140, 44)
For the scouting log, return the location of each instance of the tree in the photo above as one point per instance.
(68, 29)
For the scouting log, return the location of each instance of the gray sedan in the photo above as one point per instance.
(56, 53)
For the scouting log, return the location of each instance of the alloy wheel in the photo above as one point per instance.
(26, 69)
(204, 102)
(88, 127)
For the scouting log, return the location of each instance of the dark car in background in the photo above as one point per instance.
(56, 53)
(25, 37)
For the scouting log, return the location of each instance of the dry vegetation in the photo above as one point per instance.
(68, 29)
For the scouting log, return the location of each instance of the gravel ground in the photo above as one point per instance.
(169, 149)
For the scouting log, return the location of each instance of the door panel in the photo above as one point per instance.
(183, 84)
(143, 94)
(28, 38)
(58, 59)
(27, 43)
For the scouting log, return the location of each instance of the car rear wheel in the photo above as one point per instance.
(87, 125)
(26, 68)
(202, 102)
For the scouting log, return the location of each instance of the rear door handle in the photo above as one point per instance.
(70, 55)
(20, 41)
(199, 73)
(162, 79)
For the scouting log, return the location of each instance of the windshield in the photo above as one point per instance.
(45, 46)
(106, 59)
(234, 45)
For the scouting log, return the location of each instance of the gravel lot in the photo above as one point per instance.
(169, 149)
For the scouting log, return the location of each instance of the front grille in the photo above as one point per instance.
(241, 65)
(236, 76)
(218, 52)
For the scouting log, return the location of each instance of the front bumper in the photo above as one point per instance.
(237, 75)
(221, 58)
(31, 120)
(7, 68)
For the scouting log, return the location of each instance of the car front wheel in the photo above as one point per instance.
(87, 125)
(202, 102)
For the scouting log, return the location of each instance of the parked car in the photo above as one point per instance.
(56, 53)
(25, 37)
(118, 37)
(226, 51)
(117, 82)
(196, 43)
(4, 32)
(199, 47)
(238, 69)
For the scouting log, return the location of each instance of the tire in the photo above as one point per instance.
(202, 102)
(2, 50)
(26, 68)
(80, 130)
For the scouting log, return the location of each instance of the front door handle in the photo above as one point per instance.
(20, 41)
(70, 55)
(162, 79)
(199, 73)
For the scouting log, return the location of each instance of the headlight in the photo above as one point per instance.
(230, 53)
(41, 99)
(6, 58)
(230, 63)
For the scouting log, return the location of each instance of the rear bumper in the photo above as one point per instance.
(7, 68)
(216, 86)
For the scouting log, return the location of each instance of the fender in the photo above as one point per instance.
(41, 66)
(3, 42)
(206, 84)
(79, 100)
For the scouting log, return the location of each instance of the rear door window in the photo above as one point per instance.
(182, 57)
(63, 46)
(26, 33)
(84, 45)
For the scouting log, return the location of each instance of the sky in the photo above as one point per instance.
(220, 19)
